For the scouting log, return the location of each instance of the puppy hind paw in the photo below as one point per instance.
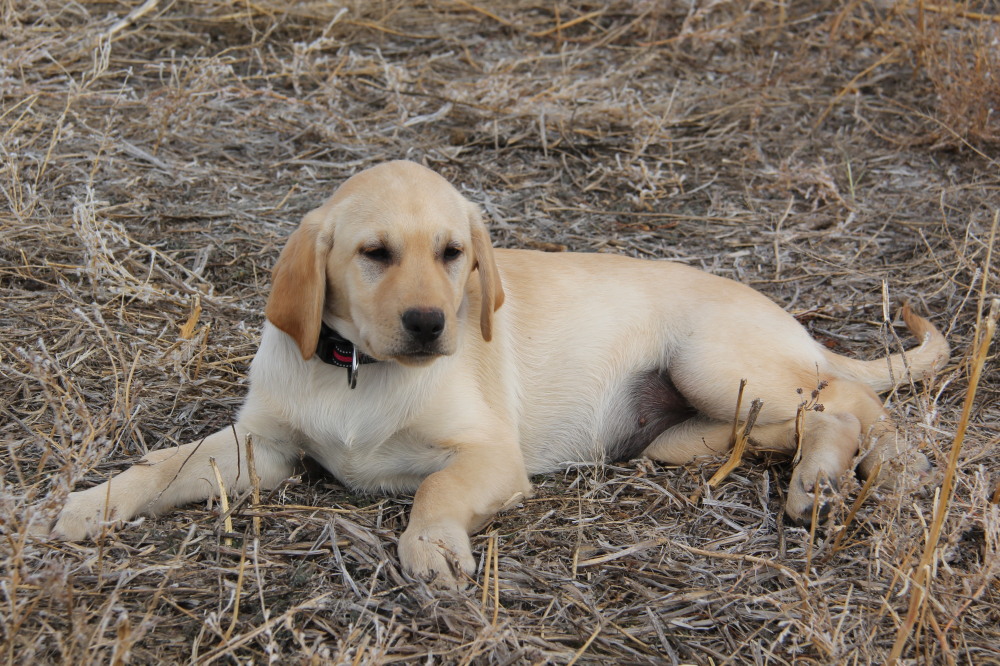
(905, 470)
(804, 501)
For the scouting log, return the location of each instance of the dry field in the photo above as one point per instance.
(836, 155)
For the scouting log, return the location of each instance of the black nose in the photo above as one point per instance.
(424, 324)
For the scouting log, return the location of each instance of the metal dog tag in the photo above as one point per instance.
(352, 372)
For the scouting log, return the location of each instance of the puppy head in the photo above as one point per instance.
(388, 258)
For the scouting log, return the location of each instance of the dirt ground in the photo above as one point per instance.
(838, 156)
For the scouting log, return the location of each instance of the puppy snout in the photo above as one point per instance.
(424, 324)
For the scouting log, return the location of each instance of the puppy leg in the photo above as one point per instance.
(882, 445)
(830, 438)
(698, 436)
(829, 443)
(852, 414)
(702, 436)
(454, 502)
(169, 477)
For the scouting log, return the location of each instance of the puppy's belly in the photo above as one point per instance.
(653, 404)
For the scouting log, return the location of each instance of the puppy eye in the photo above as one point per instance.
(451, 253)
(378, 253)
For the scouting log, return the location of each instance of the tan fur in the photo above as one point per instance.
(553, 377)
(491, 291)
(297, 288)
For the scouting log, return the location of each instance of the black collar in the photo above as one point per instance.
(335, 349)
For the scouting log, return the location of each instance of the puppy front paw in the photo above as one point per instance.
(440, 554)
(83, 515)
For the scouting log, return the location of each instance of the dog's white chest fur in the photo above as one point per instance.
(361, 435)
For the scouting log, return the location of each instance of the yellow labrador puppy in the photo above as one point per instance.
(404, 353)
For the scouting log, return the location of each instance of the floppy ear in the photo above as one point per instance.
(489, 276)
(298, 286)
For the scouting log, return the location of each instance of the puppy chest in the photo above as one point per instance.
(397, 464)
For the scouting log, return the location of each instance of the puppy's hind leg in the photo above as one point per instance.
(829, 443)
(698, 436)
(845, 414)
(882, 445)
(168, 477)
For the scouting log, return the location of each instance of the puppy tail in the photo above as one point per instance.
(917, 364)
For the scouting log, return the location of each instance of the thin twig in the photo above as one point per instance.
(921, 576)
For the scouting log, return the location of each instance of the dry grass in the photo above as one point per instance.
(835, 155)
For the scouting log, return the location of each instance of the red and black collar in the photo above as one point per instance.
(335, 349)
